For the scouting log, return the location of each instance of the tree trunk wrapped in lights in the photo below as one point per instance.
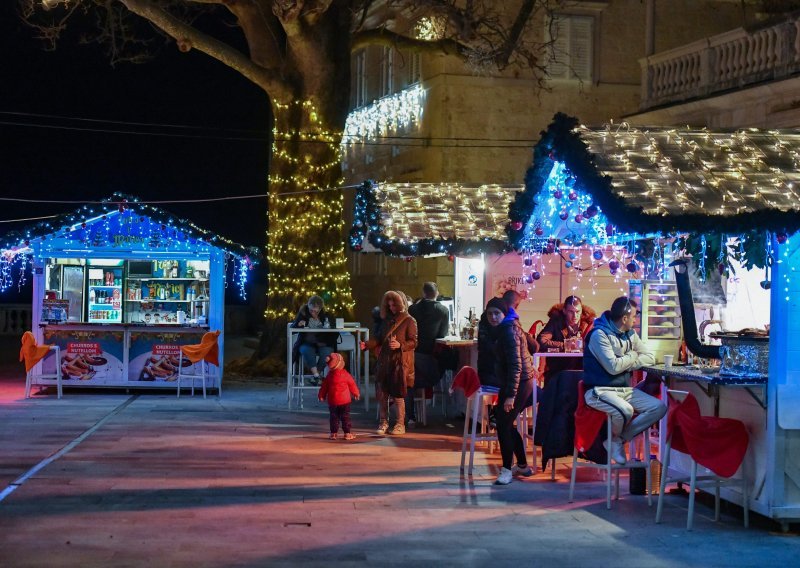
(298, 52)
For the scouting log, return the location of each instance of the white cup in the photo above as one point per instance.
(668, 361)
(339, 323)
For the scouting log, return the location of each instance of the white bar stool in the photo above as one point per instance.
(477, 405)
(57, 375)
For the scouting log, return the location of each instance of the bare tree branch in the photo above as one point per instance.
(399, 41)
(188, 37)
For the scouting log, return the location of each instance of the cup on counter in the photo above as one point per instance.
(339, 323)
(668, 361)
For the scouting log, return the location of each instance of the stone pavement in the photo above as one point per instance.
(241, 481)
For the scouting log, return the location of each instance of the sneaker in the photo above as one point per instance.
(397, 430)
(616, 451)
(521, 471)
(504, 478)
(411, 424)
(349, 436)
(333, 436)
(382, 427)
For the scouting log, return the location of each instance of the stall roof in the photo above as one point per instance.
(87, 215)
(659, 179)
(418, 219)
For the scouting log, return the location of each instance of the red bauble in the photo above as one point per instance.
(83, 225)
(516, 225)
(557, 194)
(781, 238)
(409, 259)
(357, 247)
(578, 218)
(451, 258)
(572, 196)
(539, 231)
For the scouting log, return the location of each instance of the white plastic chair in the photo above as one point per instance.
(477, 410)
(57, 375)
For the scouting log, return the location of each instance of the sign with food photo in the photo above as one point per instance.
(156, 357)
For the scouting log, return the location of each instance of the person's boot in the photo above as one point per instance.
(399, 427)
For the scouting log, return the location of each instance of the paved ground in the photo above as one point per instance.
(148, 479)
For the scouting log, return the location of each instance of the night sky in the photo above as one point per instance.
(185, 89)
(47, 157)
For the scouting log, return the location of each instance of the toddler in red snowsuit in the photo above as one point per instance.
(337, 388)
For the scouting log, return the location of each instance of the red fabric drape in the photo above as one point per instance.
(588, 422)
(718, 444)
(467, 380)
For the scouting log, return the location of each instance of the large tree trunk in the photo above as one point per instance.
(305, 250)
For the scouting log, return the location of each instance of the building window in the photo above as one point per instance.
(360, 79)
(413, 68)
(572, 47)
(387, 72)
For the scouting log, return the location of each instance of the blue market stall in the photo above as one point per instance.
(724, 205)
(119, 286)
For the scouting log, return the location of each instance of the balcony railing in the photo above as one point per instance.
(721, 63)
(15, 319)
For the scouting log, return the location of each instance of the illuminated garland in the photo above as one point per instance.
(121, 220)
(561, 142)
(367, 224)
(305, 251)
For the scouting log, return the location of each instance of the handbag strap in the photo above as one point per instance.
(394, 327)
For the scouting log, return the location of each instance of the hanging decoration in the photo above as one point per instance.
(120, 222)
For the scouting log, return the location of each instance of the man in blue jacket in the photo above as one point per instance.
(613, 351)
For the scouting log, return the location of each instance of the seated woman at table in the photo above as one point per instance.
(569, 320)
(314, 348)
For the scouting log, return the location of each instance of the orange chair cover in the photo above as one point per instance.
(207, 350)
(30, 352)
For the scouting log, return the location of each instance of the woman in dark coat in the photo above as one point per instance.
(515, 372)
(397, 338)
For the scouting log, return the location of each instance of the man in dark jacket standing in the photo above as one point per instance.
(433, 322)
(613, 351)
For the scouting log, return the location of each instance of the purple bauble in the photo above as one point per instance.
(591, 211)
(563, 215)
(578, 218)
(557, 194)
(528, 261)
(781, 238)
(572, 196)
(529, 279)
(613, 265)
(610, 230)
(539, 231)
(632, 267)
(536, 275)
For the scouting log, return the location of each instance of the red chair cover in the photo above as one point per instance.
(467, 380)
(718, 444)
(588, 422)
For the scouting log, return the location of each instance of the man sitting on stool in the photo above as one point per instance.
(613, 351)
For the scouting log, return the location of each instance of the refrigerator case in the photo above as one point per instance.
(105, 295)
(660, 323)
(73, 285)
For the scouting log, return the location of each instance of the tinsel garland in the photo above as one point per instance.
(561, 142)
(367, 223)
(122, 202)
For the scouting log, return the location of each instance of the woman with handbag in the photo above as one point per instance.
(397, 339)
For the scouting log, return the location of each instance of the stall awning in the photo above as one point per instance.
(419, 219)
(659, 179)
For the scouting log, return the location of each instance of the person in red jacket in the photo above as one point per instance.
(336, 388)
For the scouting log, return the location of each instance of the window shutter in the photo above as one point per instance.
(580, 47)
(573, 41)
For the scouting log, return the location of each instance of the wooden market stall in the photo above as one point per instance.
(637, 200)
(119, 286)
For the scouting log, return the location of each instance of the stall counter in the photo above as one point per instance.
(121, 355)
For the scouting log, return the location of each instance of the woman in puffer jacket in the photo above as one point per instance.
(515, 372)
